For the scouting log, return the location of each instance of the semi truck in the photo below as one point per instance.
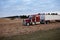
(40, 19)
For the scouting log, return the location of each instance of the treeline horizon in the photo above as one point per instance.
(21, 16)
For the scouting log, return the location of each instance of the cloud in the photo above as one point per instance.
(18, 7)
(26, 0)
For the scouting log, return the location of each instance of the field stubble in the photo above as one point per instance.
(14, 27)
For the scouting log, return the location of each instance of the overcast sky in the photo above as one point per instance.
(19, 7)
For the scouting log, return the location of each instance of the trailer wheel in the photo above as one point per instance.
(47, 22)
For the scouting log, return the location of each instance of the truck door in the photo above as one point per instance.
(37, 18)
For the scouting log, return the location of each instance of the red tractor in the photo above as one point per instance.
(33, 19)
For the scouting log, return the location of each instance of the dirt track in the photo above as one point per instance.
(15, 27)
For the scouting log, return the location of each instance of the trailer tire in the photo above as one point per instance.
(47, 22)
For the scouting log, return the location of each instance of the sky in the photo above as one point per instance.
(25, 7)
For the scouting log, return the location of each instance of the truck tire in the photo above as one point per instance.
(27, 24)
(35, 23)
(42, 22)
(30, 23)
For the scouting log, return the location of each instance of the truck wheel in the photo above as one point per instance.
(35, 23)
(27, 24)
(30, 23)
(47, 22)
(42, 22)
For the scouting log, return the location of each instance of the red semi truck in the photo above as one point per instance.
(40, 18)
(33, 19)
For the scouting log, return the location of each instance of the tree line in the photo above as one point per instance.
(13, 17)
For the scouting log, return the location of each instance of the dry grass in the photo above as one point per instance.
(14, 27)
(53, 34)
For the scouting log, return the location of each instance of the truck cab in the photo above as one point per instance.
(32, 20)
(26, 21)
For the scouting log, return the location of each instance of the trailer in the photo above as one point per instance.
(40, 19)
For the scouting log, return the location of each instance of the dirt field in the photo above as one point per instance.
(14, 27)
